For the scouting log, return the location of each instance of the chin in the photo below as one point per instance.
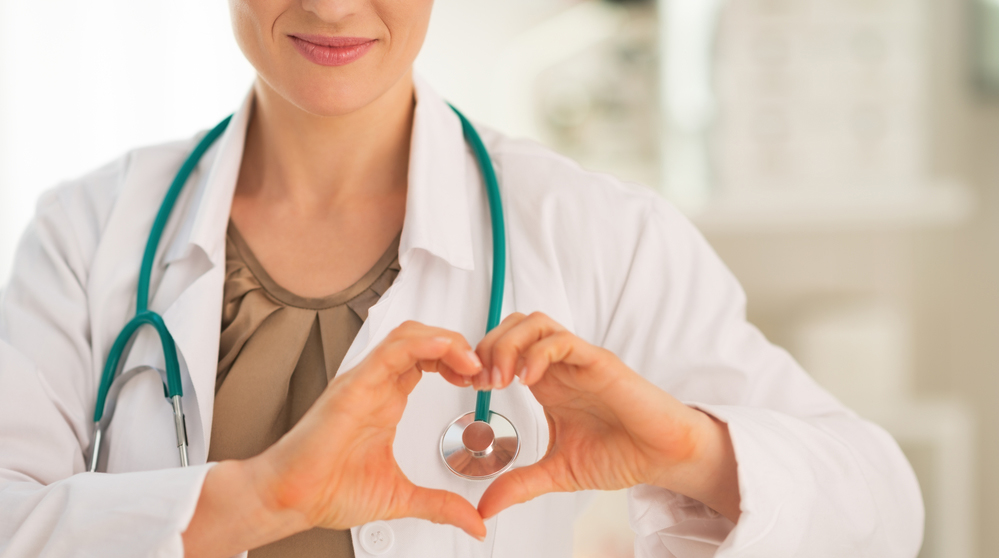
(336, 93)
(323, 98)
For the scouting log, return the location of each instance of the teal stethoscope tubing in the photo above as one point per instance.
(499, 244)
(173, 386)
(144, 316)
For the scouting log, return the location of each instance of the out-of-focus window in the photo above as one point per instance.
(987, 44)
(578, 75)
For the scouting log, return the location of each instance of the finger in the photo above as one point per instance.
(407, 380)
(460, 360)
(485, 346)
(443, 507)
(516, 487)
(396, 356)
(560, 347)
(453, 377)
(507, 349)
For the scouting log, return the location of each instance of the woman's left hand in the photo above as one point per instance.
(609, 427)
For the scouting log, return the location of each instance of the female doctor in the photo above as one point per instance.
(332, 245)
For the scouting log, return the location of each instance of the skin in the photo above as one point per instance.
(609, 427)
(325, 165)
(327, 149)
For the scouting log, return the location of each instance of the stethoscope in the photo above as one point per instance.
(477, 445)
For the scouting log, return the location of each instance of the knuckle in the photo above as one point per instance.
(565, 338)
(381, 352)
(504, 349)
(396, 334)
(387, 354)
(606, 354)
(408, 326)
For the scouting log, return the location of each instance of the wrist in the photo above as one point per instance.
(270, 510)
(235, 512)
(709, 474)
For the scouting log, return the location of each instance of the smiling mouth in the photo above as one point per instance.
(327, 50)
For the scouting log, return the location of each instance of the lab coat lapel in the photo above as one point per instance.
(112, 292)
(188, 281)
(196, 270)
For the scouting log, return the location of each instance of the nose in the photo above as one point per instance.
(331, 11)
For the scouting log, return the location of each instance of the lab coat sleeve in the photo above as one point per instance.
(50, 509)
(815, 480)
(48, 506)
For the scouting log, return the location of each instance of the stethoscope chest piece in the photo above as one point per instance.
(480, 450)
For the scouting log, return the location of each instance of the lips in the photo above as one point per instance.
(327, 50)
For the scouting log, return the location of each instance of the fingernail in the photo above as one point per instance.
(481, 539)
(443, 340)
(475, 359)
(467, 380)
(522, 374)
(480, 380)
(497, 377)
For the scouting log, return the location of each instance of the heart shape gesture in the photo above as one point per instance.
(609, 427)
(335, 468)
(336, 465)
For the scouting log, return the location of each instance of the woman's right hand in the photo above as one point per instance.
(335, 468)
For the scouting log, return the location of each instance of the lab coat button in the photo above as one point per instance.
(377, 537)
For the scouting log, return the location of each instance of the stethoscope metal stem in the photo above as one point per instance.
(95, 450)
(179, 420)
(180, 424)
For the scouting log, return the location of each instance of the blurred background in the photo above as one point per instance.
(842, 156)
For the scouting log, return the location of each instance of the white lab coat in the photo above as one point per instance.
(612, 262)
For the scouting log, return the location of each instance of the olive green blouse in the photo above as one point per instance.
(277, 353)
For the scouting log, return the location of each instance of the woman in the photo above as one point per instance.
(340, 224)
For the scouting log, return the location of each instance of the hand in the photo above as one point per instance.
(609, 427)
(335, 468)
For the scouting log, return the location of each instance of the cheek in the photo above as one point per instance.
(252, 21)
(407, 23)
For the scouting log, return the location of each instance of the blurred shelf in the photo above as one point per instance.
(943, 204)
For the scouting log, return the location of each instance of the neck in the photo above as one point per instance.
(312, 162)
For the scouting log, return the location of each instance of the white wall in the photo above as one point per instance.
(82, 82)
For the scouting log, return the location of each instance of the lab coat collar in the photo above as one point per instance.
(206, 220)
(437, 217)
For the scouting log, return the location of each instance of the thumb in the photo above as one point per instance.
(443, 507)
(516, 487)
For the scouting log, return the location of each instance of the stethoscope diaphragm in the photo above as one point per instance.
(479, 450)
